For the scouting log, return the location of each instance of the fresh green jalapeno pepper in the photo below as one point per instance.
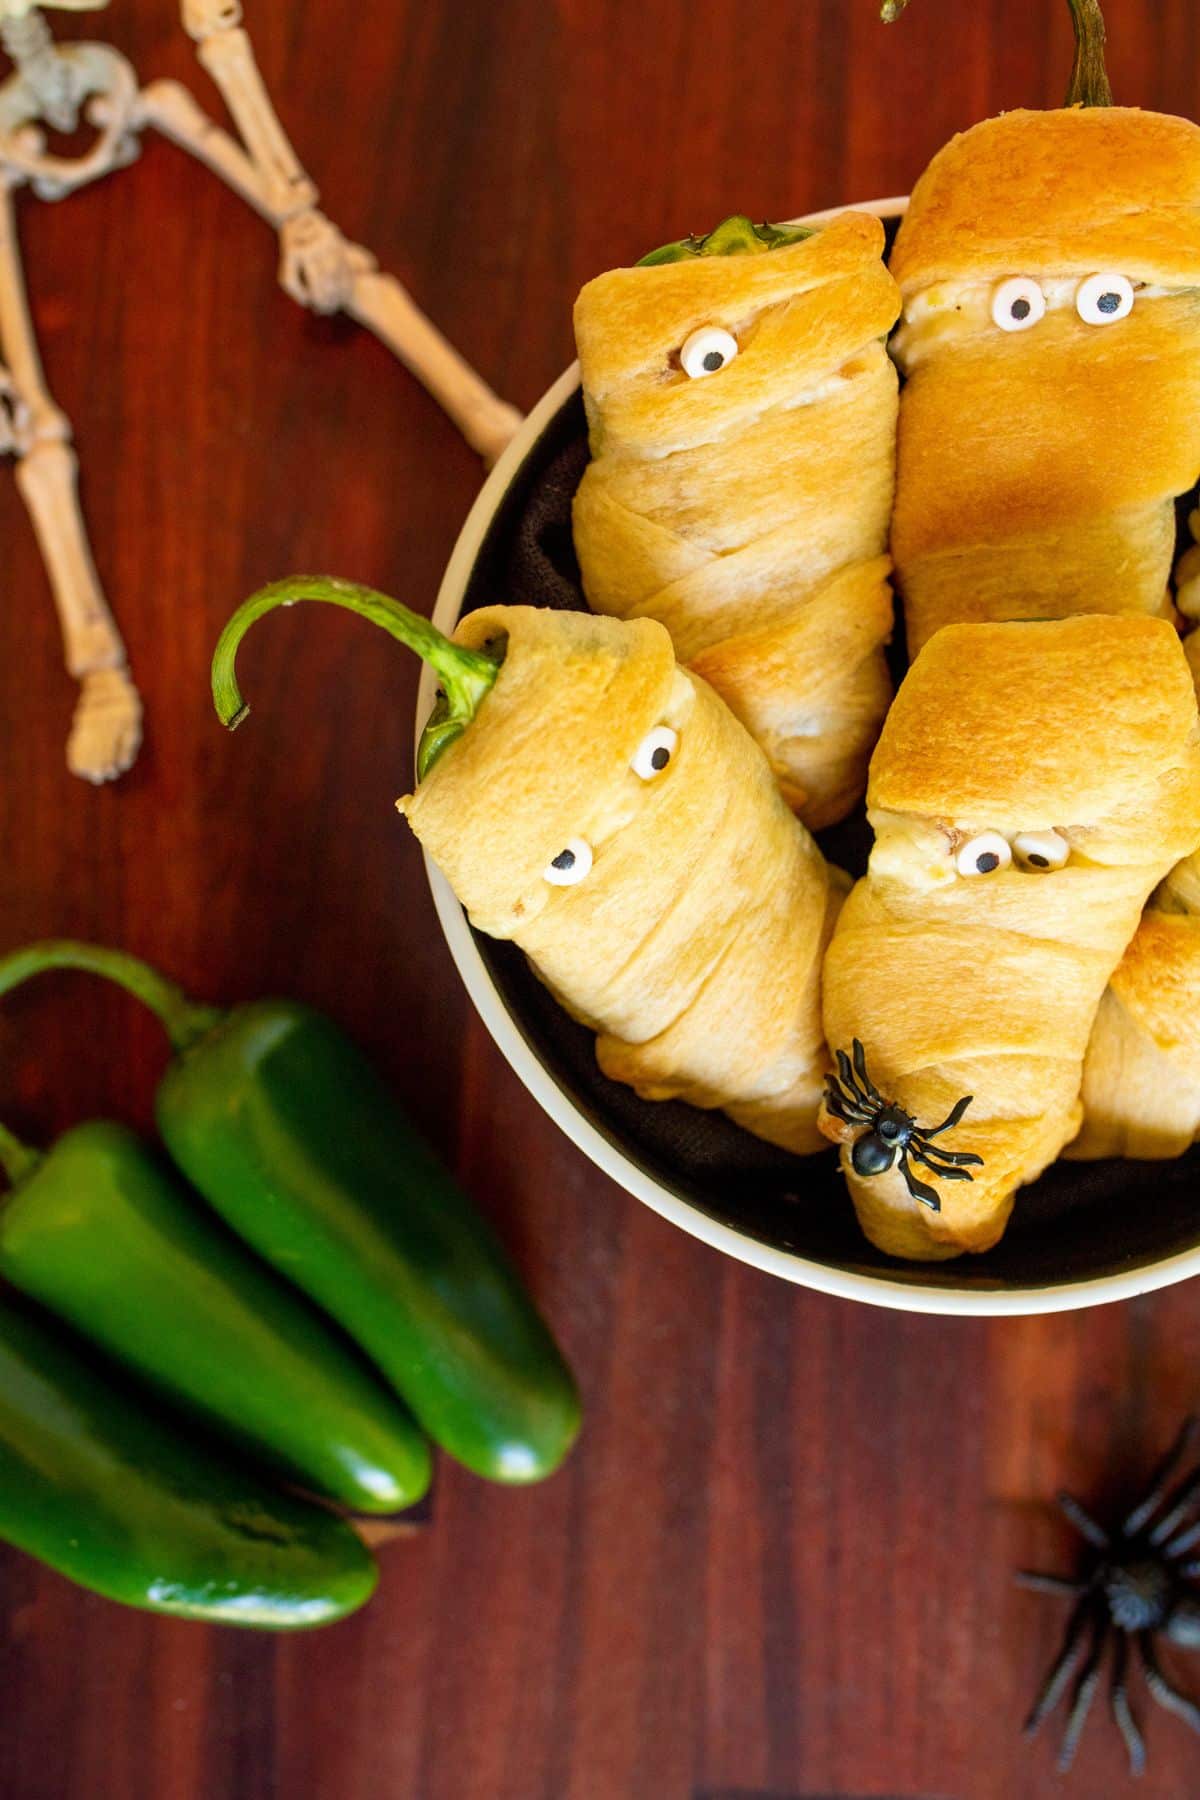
(287, 1131)
(113, 1496)
(102, 1235)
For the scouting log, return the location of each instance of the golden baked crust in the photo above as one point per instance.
(989, 985)
(1037, 470)
(724, 506)
(693, 948)
(1141, 1080)
(1069, 191)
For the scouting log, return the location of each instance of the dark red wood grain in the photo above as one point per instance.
(779, 1564)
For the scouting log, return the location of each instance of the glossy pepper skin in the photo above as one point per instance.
(286, 1129)
(113, 1497)
(102, 1234)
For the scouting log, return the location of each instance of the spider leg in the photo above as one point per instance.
(1163, 1690)
(1061, 1669)
(1083, 1521)
(1190, 1570)
(952, 1117)
(918, 1189)
(1178, 1504)
(1186, 1539)
(1118, 1694)
(860, 1069)
(947, 1171)
(954, 1157)
(1049, 1584)
(844, 1108)
(1086, 1683)
(1153, 1499)
(850, 1079)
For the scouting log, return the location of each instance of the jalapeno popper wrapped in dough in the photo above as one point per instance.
(742, 414)
(1050, 269)
(1032, 784)
(603, 808)
(1141, 1079)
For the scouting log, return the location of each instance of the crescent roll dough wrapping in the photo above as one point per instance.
(1038, 467)
(747, 510)
(1141, 1080)
(987, 984)
(693, 947)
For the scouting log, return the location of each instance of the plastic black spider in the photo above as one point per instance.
(1137, 1588)
(894, 1135)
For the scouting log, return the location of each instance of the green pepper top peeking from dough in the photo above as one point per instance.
(1049, 266)
(741, 414)
(603, 809)
(735, 236)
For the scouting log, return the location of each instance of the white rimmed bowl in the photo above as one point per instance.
(1082, 1236)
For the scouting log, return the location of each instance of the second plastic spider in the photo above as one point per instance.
(1137, 1588)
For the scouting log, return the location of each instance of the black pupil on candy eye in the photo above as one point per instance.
(987, 862)
(1108, 303)
(1020, 309)
(564, 860)
(660, 757)
(712, 361)
(1040, 862)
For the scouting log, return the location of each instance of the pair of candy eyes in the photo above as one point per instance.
(1102, 299)
(985, 854)
(574, 860)
(1017, 304)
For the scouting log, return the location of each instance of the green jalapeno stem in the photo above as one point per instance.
(17, 1160)
(184, 1021)
(1089, 77)
(466, 676)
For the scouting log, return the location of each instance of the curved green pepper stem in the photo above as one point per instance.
(184, 1022)
(17, 1160)
(1089, 76)
(466, 676)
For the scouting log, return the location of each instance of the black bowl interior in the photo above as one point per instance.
(1081, 1221)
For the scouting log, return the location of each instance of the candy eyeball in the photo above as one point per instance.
(655, 752)
(1017, 304)
(570, 866)
(707, 350)
(984, 854)
(1041, 849)
(1103, 299)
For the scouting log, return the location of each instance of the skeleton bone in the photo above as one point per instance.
(26, 37)
(319, 267)
(107, 726)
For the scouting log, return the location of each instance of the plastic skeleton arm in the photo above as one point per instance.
(52, 84)
(319, 267)
(106, 730)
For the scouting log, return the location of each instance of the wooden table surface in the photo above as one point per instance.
(779, 1562)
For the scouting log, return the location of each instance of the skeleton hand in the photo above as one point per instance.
(318, 266)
